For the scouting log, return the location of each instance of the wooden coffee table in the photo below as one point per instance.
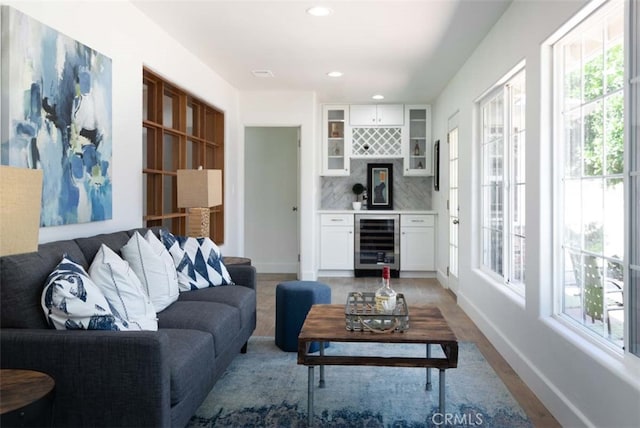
(326, 323)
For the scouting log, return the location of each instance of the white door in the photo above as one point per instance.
(271, 198)
(453, 202)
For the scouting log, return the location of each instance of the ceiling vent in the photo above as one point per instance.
(262, 73)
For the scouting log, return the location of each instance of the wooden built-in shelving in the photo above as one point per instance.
(180, 131)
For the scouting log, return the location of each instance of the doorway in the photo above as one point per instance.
(271, 198)
(453, 202)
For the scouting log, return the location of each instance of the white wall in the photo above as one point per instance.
(580, 385)
(292, 109)
(119, 31)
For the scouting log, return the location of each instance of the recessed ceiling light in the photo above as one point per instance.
(262, 73)
(378, 97)
(319, 11)
(334, 74)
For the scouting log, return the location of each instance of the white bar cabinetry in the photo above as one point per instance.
(376, 115)
(336, 241)
(336, 140)
(381, 131)
(416, 141)
(417, 242)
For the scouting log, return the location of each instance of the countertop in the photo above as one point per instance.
(378, 212)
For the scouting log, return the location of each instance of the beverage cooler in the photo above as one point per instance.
(377, 244)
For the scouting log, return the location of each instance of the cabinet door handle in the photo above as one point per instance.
(417, 221)
(456, 221)
(337, 219)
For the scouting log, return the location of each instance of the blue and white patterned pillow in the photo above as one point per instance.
(72, 301)
(198, 261)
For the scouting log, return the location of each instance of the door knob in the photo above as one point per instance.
(294, 209)
(456, 221)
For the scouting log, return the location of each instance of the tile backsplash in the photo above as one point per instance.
(409, 193)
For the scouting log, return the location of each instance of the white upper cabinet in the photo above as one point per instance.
(336, 140)
(376, 115)
(384, 131)
(416, 141)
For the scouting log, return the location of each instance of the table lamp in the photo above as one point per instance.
(198, 190)
(20, 202)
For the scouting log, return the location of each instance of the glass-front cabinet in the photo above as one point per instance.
(336, 143)
(417, 146)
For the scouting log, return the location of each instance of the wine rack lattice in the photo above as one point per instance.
(376, 142)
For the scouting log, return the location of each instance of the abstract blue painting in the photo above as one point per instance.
(56, 116)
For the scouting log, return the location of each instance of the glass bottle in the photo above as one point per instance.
(416, 150)
(385, 296)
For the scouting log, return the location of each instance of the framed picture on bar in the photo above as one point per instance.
(380, 186)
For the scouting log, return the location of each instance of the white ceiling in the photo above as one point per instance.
(405, 50)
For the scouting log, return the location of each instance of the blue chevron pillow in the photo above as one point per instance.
(198, 261)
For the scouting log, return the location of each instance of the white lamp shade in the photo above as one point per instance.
(199, 188)
(20, 201)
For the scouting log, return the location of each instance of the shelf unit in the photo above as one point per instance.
(179, 132)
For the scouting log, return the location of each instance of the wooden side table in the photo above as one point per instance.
(236, 261)
(26, 398)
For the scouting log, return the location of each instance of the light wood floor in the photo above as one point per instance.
(417, 292)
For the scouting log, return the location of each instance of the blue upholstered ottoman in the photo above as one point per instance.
(293, 301)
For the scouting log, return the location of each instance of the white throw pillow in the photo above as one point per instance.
(154, 267)
(123, 290)
(198, 261)
(72, 301)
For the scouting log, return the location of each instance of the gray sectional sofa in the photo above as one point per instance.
(123, 378)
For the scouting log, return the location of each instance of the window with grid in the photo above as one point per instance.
(179, 131)
(589, 142)
(502, 116)
(634, 178)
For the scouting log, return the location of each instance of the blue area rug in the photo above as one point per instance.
(267, 388)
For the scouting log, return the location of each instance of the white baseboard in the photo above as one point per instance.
(417, 274)
(275, 267)
(335, 273)
(442, 278)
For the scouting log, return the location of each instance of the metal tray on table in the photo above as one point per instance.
(361, 314)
